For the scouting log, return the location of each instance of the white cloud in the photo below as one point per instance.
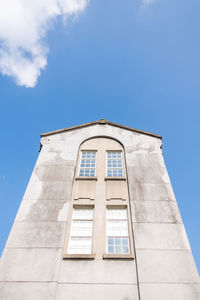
(147, 2)
(23, 27)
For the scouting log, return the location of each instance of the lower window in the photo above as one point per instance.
(117, 235)
(80, 240)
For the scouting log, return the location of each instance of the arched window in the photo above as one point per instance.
(100, 223)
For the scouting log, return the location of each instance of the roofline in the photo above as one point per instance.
(101, 122)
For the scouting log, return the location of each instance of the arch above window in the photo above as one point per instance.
(101, 156)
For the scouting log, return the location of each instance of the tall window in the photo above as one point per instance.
(99, 225)
(80, 241)
(87, 163)
(117, 231)
(114, 164)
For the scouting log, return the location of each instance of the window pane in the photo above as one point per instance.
(110, 241)
(117, 228)
(125, 249)
(114, 164)
(114, 173)
(81, 228)
(82, 213)
(117, 246)
(80, 245)
(88, 154)
(117, 231)
(125, 241)
(114, 154)
(117, 249)
(80, 241)
(116, 214)
(110, 249)
(87, 172)
(117, 241)
(87, 163)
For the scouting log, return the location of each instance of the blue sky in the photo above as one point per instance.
(131, 63)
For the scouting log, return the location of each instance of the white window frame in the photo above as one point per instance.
(87, 168)
(121, 237)
(112, 168)
(81, 237)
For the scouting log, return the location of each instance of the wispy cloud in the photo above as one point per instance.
(2, 177)
(23, 27)
(146, 3)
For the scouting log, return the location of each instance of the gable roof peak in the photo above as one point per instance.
(100, 122)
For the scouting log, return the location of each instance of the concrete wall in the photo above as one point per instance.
(32, 266)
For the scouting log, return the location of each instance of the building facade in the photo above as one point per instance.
(99, 221)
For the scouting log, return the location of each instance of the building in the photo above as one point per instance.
(99, 221)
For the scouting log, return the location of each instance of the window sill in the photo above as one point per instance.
(86, 178)
(118, 256)
(115, 178)
(79, 256)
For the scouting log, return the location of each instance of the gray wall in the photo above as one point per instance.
(32, 265)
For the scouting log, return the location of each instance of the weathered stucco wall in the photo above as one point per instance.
(166, 268)
(32, 265)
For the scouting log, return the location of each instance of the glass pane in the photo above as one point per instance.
(81, 173)
(110, 249)
(82, 213)
(117, 241)
(88, 154)
(116, 213)
(125, 241)
(125, 249)
(87, 164)
(117, 246)
(114, 173)
(81, 228)
(79, 245)
(92, 173)
(114, 154)
(117, 249)
(120, 173)
(87, 172)
(117, 228)
(110, 241)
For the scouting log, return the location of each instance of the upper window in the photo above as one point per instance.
(87, 163)
(114, 164)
